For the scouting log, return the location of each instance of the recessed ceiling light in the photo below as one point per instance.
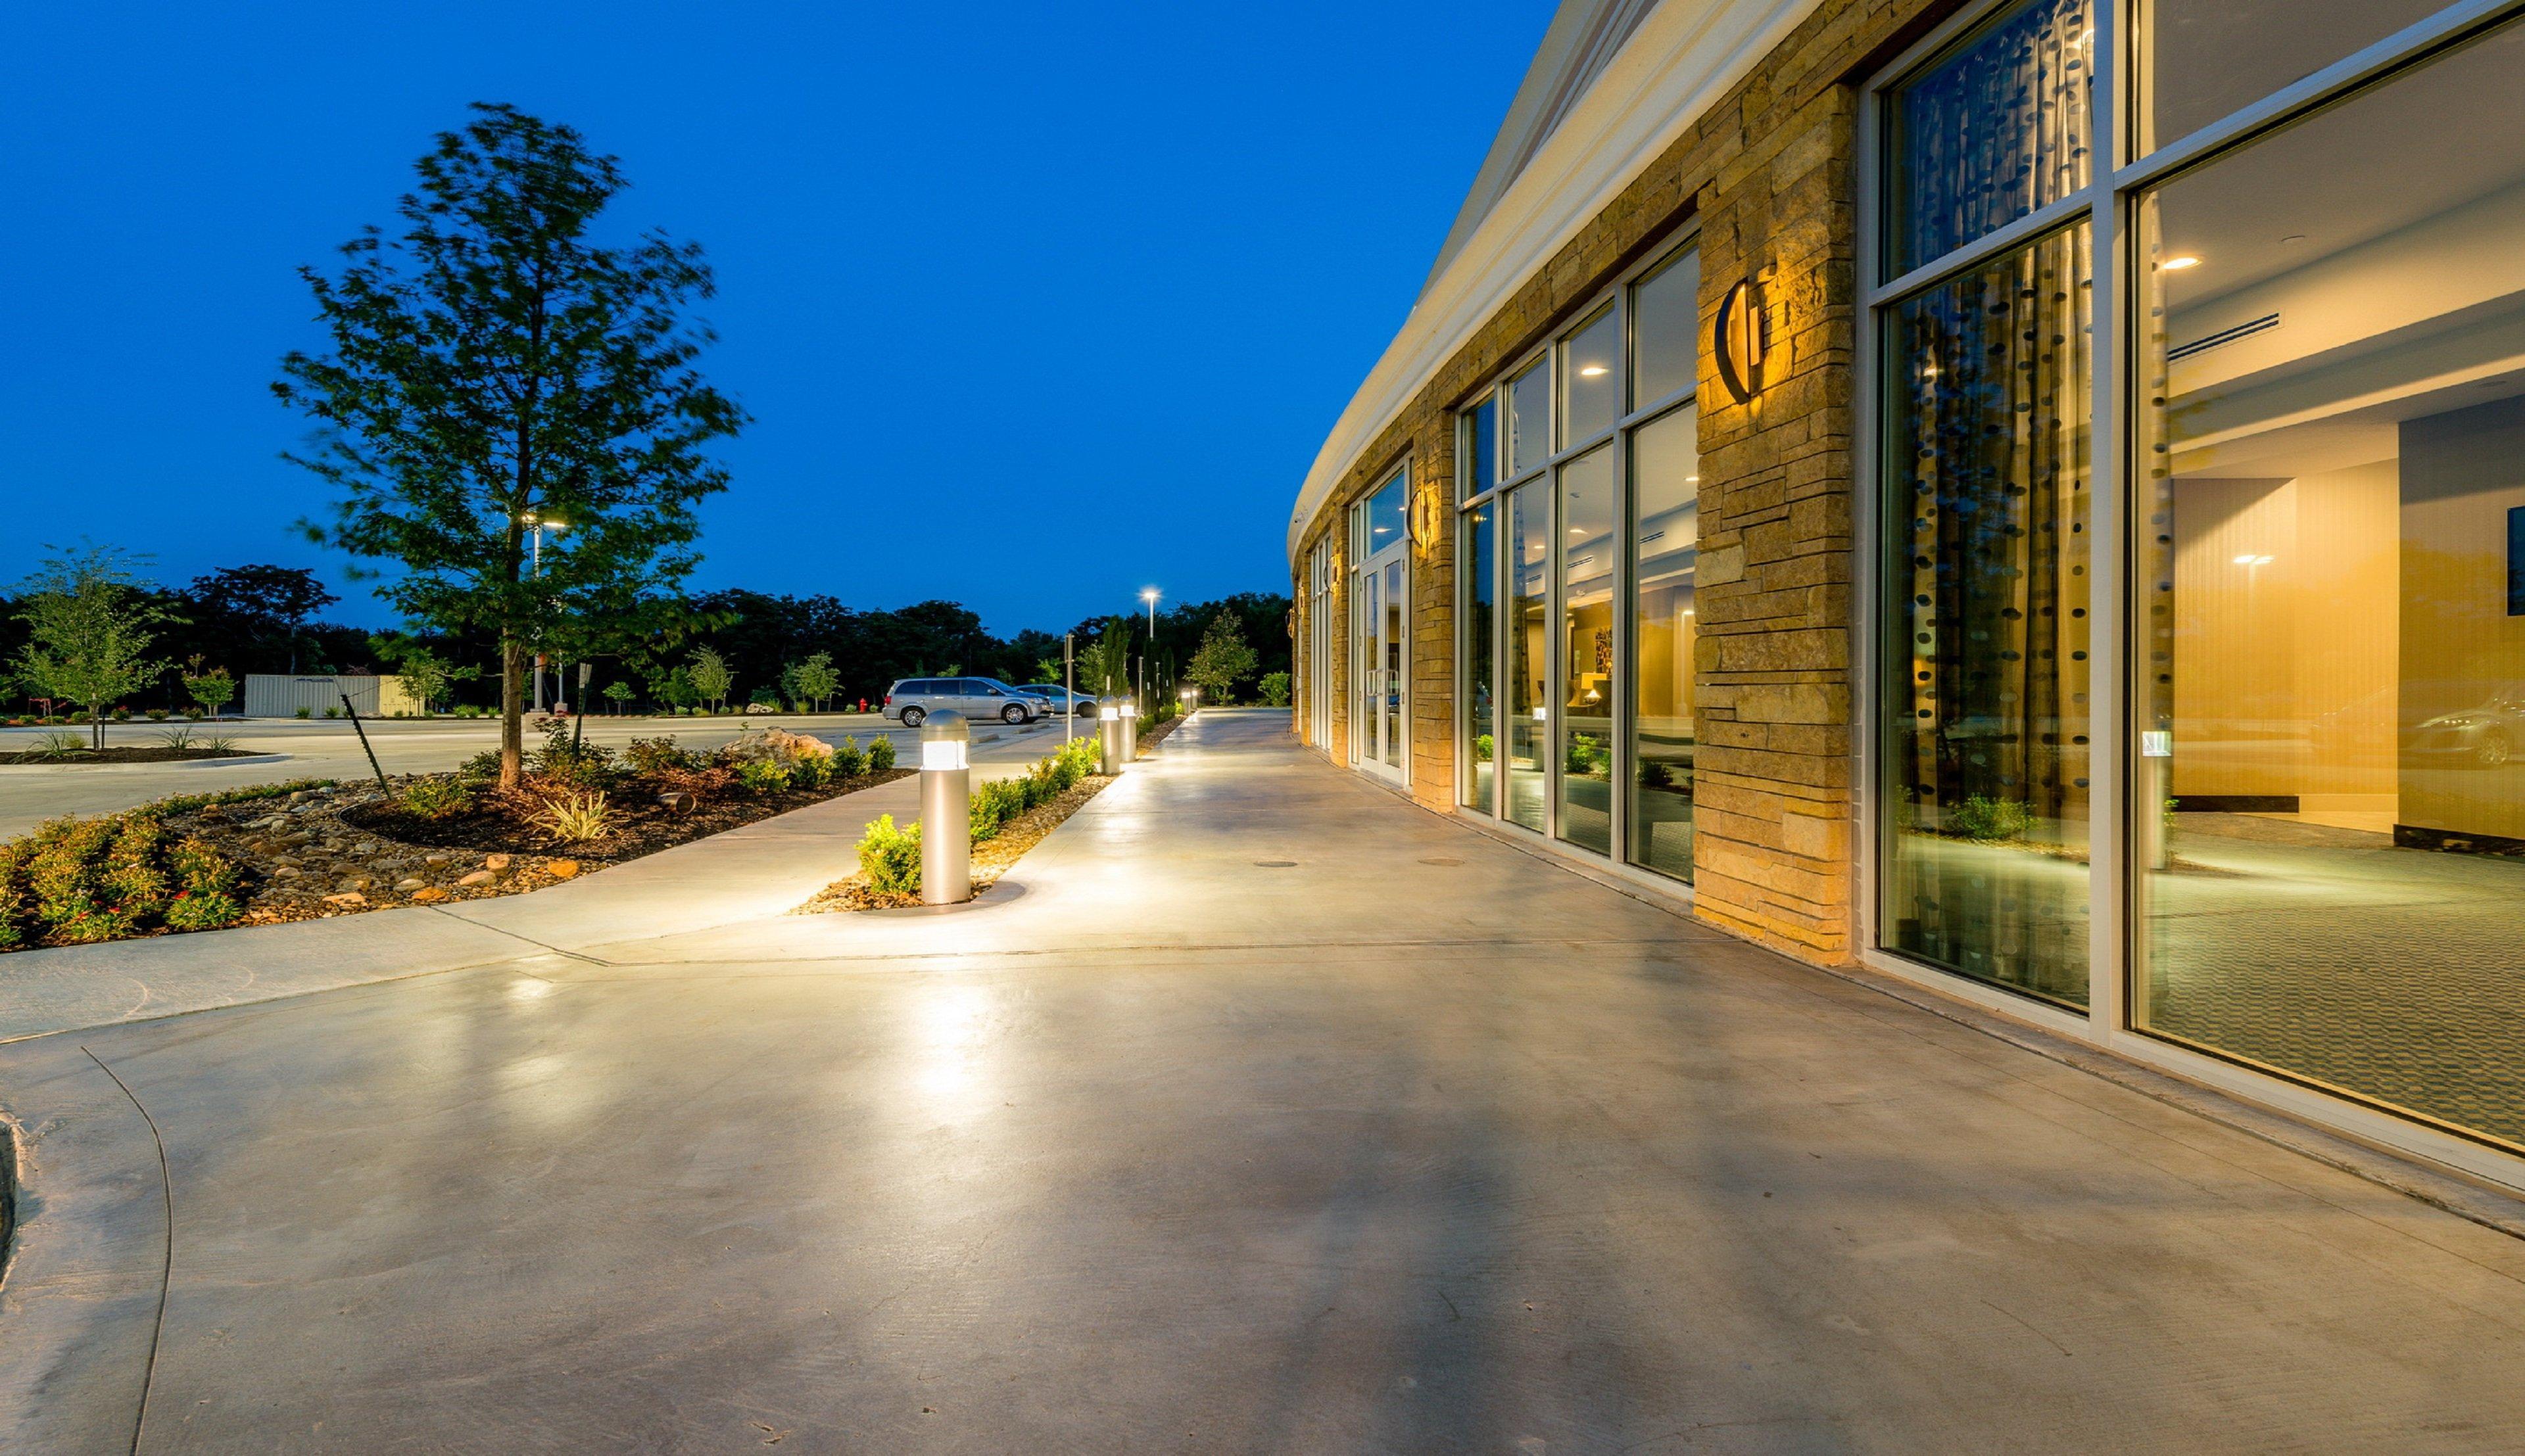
(2177, 264)
(1590, 371)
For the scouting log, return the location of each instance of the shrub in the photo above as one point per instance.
(72, 881)
(576, 818)
(59, 745)
(581, 766)
(482, 765)
(994, 804)
(890, 857)
(437, 798)
(1275, 688)
(157, 715)
(304, 713)
(1989, 821)
(121, 715)
(200, 909)
(650, 757)
(880, 755)
(332, 712)
(1483, 746)
(850, 760)
(809, 770)
(762, 775)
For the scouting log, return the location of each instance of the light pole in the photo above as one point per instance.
(534, 522)
(1150, 596)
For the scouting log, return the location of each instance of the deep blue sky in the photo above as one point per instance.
(1032, 305)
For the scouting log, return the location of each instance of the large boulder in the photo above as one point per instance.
(779, 745)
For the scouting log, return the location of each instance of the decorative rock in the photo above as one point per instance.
(355, 883)
(780, 745)
(286, 872)
(300, 797)
(429, 897)
(495, 861)
(365, 847)
(478, 877)
(436, 859)
(560, 869)
(411, 885)
(346, 899)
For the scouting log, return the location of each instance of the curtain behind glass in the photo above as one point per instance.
(1993, 131)
(1985, 655)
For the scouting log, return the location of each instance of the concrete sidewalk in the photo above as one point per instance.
(1268, 1113)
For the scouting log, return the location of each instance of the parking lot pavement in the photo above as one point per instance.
(324, 749)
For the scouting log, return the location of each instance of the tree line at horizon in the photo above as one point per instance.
(512, 417)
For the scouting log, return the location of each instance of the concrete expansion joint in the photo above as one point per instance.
(166, 1259)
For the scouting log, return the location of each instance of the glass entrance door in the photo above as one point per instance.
(1383, 593)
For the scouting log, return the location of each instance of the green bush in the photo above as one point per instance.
(332, 712)
(994, 804)
(1483, 746)
(809, 770)
(1275, 688)
(890, 857)
(762, 775)
(309, 713)
(438, 799)
(1990, 821)
(880, 755)
(74, 882)
(157, 715)
(850, 760)
(581, 766)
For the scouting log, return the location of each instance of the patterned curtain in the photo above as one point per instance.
(1993, 428)
(1993, 131)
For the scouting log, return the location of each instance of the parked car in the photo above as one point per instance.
(914, 699)
(1057, 697)
(2486, 735)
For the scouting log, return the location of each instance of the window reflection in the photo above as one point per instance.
(1985, 776)
(1529, 418)
(1530, 564)
(1996, 129)
(1588, 547)
(1665, 324)
(2201, 59)
(1480, 469)
(2332, 801)
(1591, 378)
(1665, 531)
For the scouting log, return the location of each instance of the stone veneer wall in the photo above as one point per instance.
(1768, 172)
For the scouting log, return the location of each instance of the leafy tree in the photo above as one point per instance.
(618, 692)
(88, 624)
(211, 688)
(1047, 671)
(493, 365)
(1275, 688)
(711, 678)
(251, 605)
(813, 681)
(1105, 665)
(1223, 659)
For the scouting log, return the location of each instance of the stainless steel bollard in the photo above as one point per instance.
(1130, 729)
(946, 809)
(1108, 724)
(2157, 785)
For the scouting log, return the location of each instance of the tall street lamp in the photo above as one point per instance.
(534, 522)
(1150, 596)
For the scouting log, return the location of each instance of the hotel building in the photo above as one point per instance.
(2025, 497)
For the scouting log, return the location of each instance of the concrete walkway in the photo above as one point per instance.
(1414, 1143)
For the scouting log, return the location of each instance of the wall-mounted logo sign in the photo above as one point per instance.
(1742, 338)
(1425, 519)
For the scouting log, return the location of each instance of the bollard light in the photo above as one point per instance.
(1130, 729)
(1108, 724)
(946, 809)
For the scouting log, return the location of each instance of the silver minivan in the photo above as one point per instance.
(914, 699)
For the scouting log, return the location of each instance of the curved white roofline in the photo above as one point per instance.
(1684, 57)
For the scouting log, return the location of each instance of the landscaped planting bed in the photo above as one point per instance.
(175, 746)
(1009, 818)
(306, 850)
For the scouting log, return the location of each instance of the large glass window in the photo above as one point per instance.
(1984, 648)
(1666, 536)
(1530, 626)
(1995, 129)
(1665, 328)
(1479, 567)
(2201, 59)
(2331, 378)
(1591, 378)
(1587, 559)
(1478, 457)
(1529, 418)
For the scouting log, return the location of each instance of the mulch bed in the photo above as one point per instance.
(122, 754)
(348, 850)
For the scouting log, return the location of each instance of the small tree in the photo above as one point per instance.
(494, 367)
(1105, 665)
(426, 676)
(812, 681)
(1275, 688)
(1223, 659)
(711, 677)
(211, 688)
(618, 693)
(89, 634)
